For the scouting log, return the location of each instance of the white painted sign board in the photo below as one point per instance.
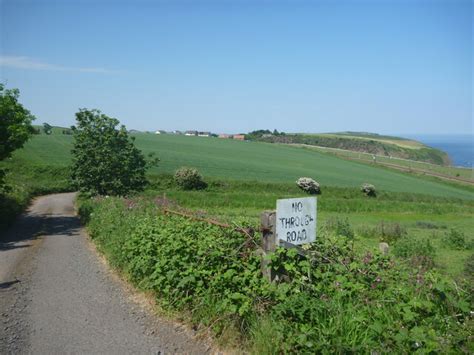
(296, 220)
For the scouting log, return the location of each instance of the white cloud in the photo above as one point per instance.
(21, 62)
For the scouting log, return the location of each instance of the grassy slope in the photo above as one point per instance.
(464, 173)
(401, 142)
(369, 143)
(249, 161)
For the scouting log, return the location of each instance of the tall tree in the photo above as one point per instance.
(15, 122)
(15, 127)
(105, 159)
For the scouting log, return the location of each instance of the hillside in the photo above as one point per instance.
(365, 143)
(248, 161)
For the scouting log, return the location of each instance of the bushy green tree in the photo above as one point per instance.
(15, 122)
(189, 179)
(15, 127)
(105, 159)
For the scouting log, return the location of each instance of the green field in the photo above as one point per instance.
(251, 161)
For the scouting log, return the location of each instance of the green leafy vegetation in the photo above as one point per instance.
(15, 130)
(105, 159)
(27, 181)
(15, 122)
(457, 239)
(334, 298)
(420, 251)
(189, 179)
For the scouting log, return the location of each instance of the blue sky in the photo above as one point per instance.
(234, 66)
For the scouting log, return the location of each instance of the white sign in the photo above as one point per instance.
(296, 220)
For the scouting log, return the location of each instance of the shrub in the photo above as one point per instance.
(390, 232)
(419, 250)
(369, 190)
(456, 239)
(189, 179)
(309, 185)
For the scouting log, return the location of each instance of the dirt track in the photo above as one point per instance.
(57, 297)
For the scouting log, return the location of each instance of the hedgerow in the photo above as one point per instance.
(332, 300)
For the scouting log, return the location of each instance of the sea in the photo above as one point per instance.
(460, 147)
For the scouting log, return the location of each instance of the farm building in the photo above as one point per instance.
(225, 136)
(204, 134)
(160, 132)
(191, 133)
(239, 137)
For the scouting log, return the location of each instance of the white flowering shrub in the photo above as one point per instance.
(368, 189)
(309, 185)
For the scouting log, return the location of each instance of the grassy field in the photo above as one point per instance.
(250, 161)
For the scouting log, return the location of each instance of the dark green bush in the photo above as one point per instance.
(189, 179)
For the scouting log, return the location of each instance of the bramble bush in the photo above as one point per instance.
(335, 300)
(189, 179)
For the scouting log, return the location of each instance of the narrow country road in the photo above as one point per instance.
(56, 296)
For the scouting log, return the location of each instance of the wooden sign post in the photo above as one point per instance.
(293, 224)
(269, 242)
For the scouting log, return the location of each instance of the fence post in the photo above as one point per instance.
(269, 242)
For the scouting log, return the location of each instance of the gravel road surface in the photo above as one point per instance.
(56, 296)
